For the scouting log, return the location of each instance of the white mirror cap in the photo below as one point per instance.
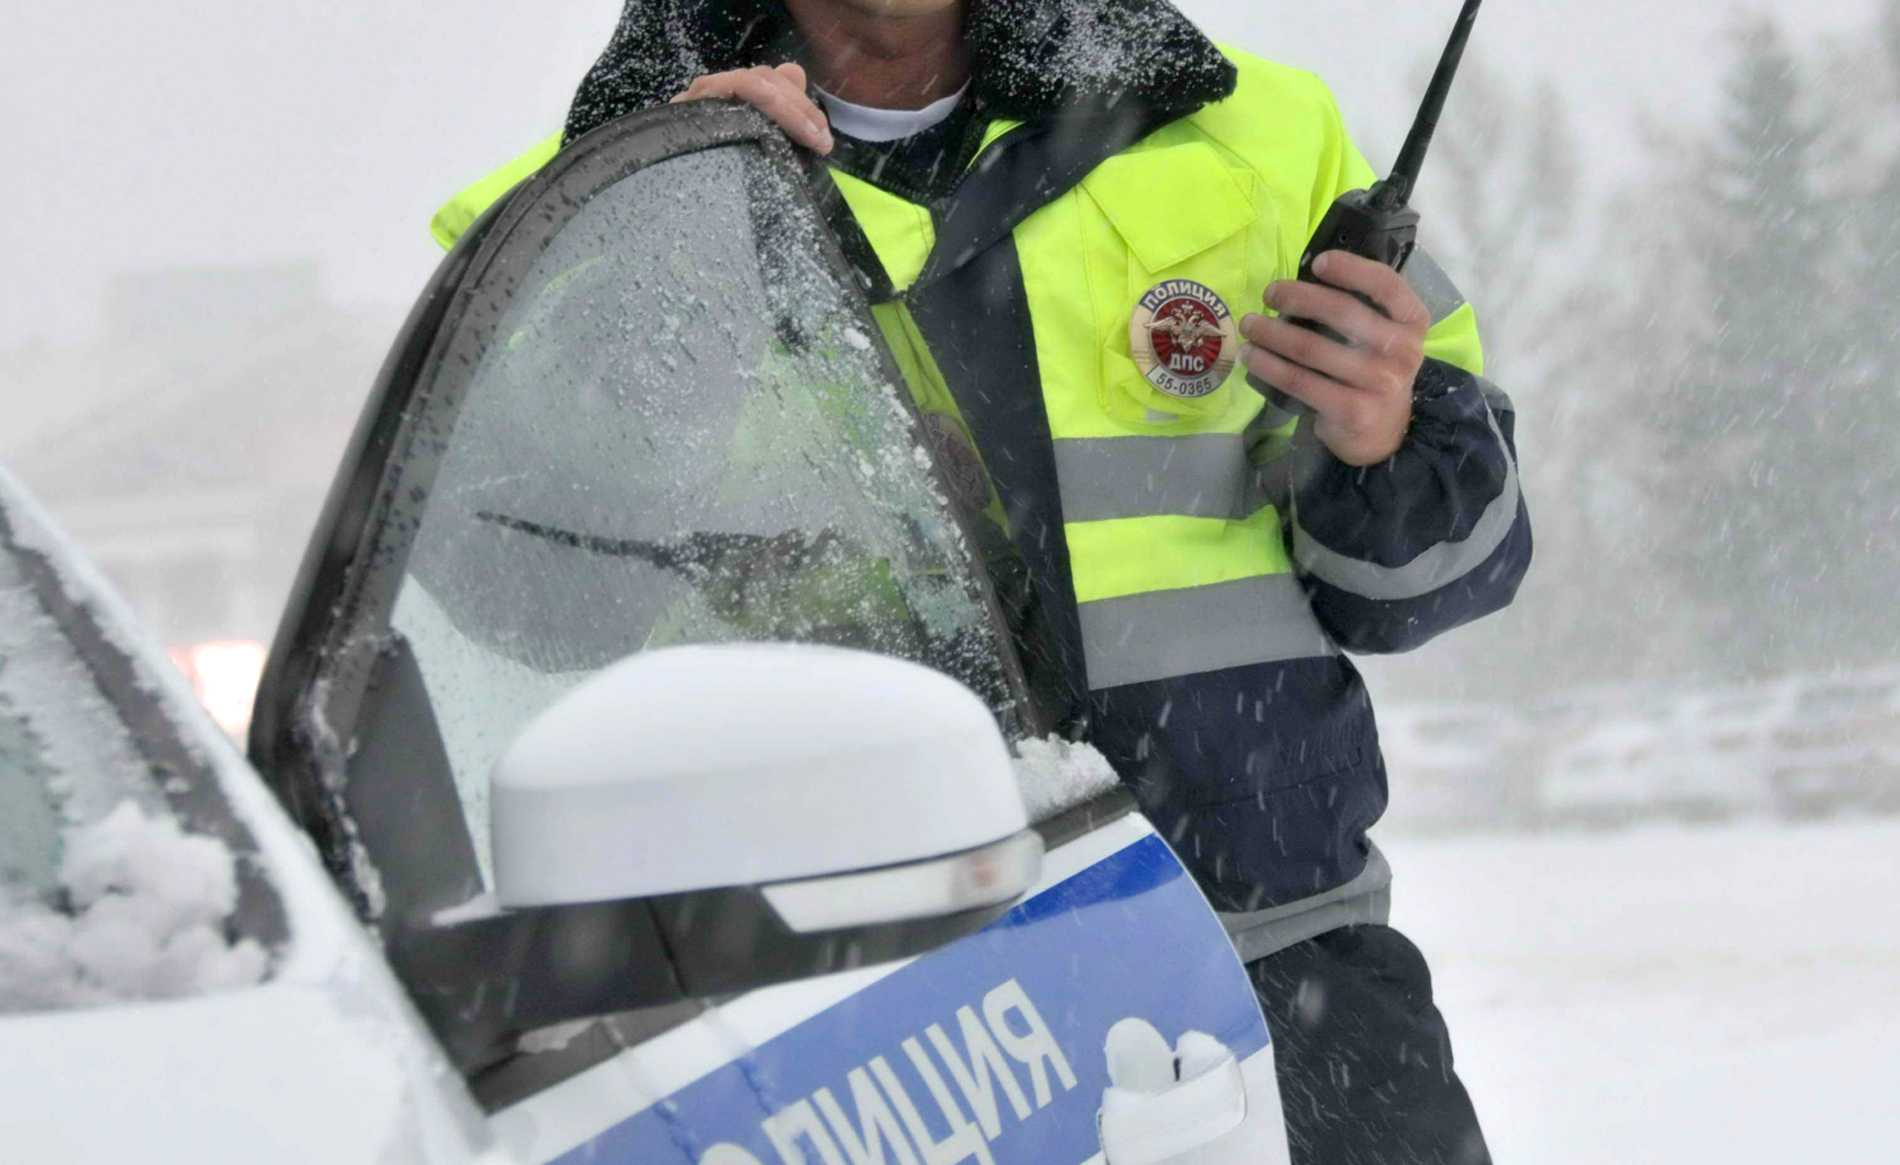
(695, 768)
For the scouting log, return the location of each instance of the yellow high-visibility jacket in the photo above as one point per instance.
(1200, 563)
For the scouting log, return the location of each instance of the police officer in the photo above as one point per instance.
(1068, 212)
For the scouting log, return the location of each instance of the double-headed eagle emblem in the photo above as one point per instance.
(1183, 325)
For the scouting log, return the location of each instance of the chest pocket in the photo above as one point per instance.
(1175, 212)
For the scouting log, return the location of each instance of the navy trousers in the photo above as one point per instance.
(1363, 1055)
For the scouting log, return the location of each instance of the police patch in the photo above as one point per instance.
(1183, 339)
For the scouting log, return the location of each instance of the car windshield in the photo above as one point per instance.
(104, 895)
(676, 432)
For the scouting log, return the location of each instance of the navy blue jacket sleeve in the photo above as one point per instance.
(1395, 554)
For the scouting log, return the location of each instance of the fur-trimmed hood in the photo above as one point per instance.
(1031, 58)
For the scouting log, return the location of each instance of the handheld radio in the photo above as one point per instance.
(1379, 223)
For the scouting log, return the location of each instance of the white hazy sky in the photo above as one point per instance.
(233, 132)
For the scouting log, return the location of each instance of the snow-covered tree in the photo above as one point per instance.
(1781, 490)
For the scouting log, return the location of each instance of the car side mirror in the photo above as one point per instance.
(786, 810)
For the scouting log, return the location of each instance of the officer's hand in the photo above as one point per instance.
(1361, 392)
(778, 93)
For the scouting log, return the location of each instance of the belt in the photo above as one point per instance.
(1364, 901)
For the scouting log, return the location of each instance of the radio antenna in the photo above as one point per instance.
(1396, 191)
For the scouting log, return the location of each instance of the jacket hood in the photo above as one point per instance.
(1031, 59)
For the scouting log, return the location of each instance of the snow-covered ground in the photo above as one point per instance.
(1725, 994)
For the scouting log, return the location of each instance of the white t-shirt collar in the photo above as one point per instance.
(869, 124)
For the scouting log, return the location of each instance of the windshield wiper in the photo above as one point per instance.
(699, 557)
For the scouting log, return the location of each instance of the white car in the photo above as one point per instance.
(637, 735)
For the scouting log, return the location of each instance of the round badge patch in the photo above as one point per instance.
(1184, 339)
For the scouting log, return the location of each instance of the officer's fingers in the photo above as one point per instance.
(773, 94)
(793, 72)
(1309, 349)
(1322, 394)
(1341, 312)
(709, 87)
(784, 100)
(1377, 282)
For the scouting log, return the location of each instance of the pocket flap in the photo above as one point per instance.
(1171, 203)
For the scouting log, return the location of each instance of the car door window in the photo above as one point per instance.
(62, 754)
(643, 404)
(677, 435)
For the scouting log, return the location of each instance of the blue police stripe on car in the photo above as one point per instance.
(990, 1050)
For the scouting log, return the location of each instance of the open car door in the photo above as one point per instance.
(642, 405)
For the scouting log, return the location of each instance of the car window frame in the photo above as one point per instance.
(182, 775)
(313, 695)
